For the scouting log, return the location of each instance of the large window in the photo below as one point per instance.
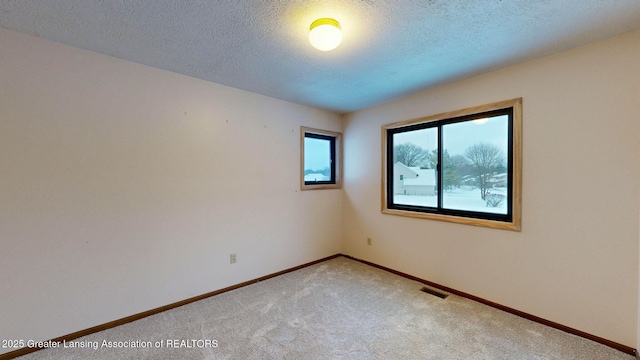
(463, 166)
(320, 159)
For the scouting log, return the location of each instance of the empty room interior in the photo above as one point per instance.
(158, 152)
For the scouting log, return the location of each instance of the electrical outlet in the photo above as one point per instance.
(232, 258)
(368, 241)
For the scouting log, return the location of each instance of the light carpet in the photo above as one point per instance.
(337, 309)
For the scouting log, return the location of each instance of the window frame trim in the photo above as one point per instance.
(337, 161)
(516, 137)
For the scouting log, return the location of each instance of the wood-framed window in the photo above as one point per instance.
(462, 166)
(320, 159)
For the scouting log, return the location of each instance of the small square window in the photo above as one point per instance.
(320, 159)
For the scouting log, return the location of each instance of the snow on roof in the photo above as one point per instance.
(426, 177)
(398, 163)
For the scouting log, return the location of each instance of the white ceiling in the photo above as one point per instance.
(390, 48)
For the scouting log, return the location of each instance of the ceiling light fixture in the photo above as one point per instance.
(325, 34)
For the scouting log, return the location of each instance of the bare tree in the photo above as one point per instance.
(459, 161)
(485, 159)
(410, 154)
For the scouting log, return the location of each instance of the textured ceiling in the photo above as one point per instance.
(390, 48)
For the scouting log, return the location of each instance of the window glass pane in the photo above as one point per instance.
(415, 158)
(475, 165)
(317, 159)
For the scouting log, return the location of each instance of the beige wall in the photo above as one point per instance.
(124, 188)
(576, 260)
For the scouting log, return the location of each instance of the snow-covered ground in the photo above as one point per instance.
(466, 198)
(316, 177)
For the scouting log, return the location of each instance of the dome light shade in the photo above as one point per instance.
(325, 34)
